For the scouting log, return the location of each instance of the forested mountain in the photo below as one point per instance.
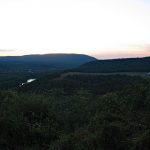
(117, 65)
(39, 63)
(17, 69)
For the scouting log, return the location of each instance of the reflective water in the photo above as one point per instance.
(28, 81)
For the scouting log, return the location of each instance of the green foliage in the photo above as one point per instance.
(143, 142)
(94, 84)
(66, 117)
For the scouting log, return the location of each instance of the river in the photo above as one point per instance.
(28, 81)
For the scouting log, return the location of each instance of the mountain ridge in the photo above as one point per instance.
(50, 61)
(116, 65)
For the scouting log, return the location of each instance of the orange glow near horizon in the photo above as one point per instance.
(121, 55)
(128, 52)
(105, 54)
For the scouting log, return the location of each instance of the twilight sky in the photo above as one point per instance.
(102, 28)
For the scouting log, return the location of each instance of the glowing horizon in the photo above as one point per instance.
(101, 28)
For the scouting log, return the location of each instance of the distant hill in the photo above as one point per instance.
(45, 62)
(116, 65)
(15, 70)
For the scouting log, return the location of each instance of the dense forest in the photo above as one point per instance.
(42, 63)
(80, 112)
(116, 65)
(15, 70)
(96, 84)
(74, 112)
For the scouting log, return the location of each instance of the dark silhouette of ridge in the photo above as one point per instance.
(116, 65)
(46, 62)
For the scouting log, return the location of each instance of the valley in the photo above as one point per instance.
(69, 109)
(75, 75)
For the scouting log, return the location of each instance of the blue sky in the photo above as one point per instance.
(102, 28)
